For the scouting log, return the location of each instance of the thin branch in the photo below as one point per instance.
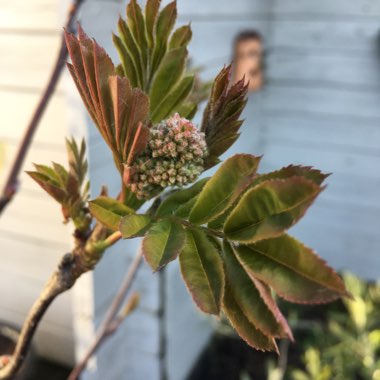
(11, 184)
(113, 238)
(61, 280)
(107, 326)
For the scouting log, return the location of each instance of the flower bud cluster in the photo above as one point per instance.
(174, 157)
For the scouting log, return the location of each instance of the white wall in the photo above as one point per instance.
(32, 236)
(321, 108)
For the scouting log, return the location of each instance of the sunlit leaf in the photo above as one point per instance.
(269, 209)
(307, 172)
(248, 297)
(109, 211)
(119, 112)
(293, 270)
(50, 187)
(246, 330)
(225, 186)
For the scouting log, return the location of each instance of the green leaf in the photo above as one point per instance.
(184, 210)
(151, 12)
(134, 225)
(127, 62)
(109, 211)
(171, 204)
(224, 187)
(257, 309)
(49, 174)
(202, 270)
(269, 209)
(165, 23)
(181, 37)
(167, 76)
(133, 50)
(293, 270)
(163, 243)
(136, 24)
(187, 110)
(246, 330)
(173, 99)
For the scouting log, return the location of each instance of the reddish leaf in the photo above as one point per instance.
(293, 270)
(258, 311)
(307, 172)
(119, 112)
(246, 330)
(221, 117)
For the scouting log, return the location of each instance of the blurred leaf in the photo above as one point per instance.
(246, 330)
(293, 270)
(109, 211)
(68, 186)
(134, 225)
(202, 270)
(49, 186)
(224, 187)
(221, 117)
(270, 208)
(163, 243)
(266, 318)
(187, 110)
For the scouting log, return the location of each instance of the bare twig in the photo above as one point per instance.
(11, 184)
(61, 280)
(111, 322)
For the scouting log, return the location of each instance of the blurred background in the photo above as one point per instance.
(315, 79)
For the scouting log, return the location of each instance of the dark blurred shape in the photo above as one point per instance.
(247, 58)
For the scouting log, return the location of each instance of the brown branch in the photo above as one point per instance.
(61, 280)
(111, 322)
(11, 184)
